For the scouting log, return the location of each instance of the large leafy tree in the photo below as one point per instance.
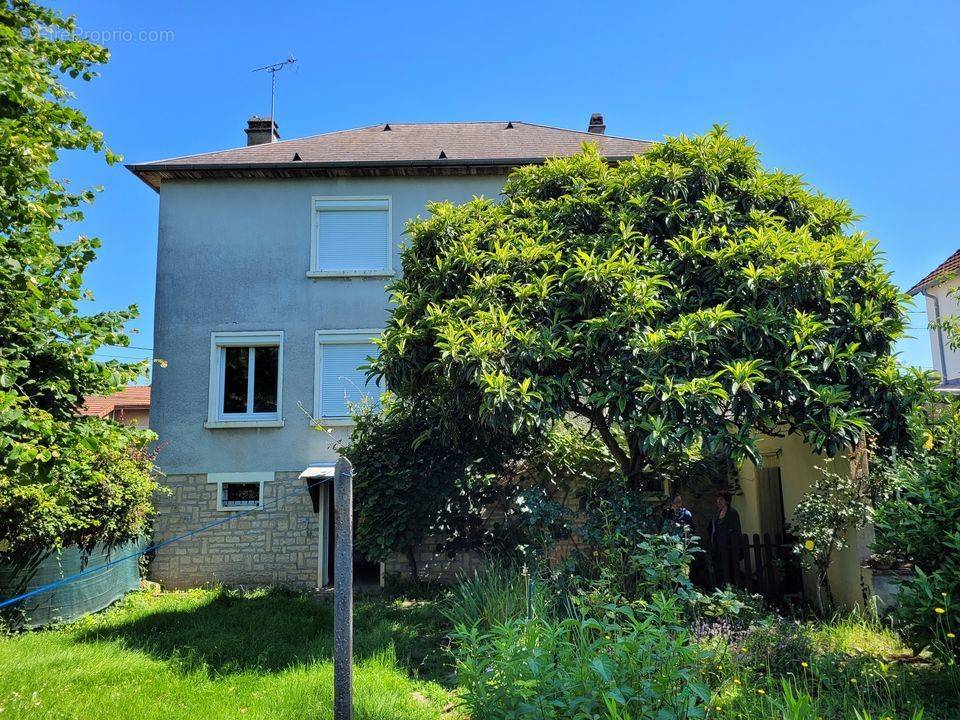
(680, 303)
(63, 478)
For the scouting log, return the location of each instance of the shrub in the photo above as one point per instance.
(493, 596)
(639, 663)
(922, 525)
(777, 646)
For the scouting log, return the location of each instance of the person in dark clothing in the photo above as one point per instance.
(676, 519)
(724, 532)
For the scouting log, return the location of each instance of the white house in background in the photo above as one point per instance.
(940, 290)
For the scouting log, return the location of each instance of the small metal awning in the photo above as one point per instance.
(325, 470)
(316, 475)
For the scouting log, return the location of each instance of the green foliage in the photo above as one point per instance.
(921, 524)
(679, 303)
(639, 663)
(494, 595)
(63, 479)
(835, 503)
(410, 484)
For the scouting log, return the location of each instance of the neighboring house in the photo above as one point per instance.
(939, 288)
(130, 405)
(272, 266)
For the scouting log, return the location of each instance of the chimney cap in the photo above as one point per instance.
(261, 130)
(596, 125)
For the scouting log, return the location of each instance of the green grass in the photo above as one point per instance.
(222, 654)
(856, 665)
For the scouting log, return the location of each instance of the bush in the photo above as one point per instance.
(638, 663)
(100, 490)
(493, 596)
(922, 525)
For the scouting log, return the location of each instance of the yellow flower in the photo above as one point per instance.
(939, 610)
(951, 635)
(761, 691)
(805, 664)
(809, 545)
(736, 681)
(928, 441)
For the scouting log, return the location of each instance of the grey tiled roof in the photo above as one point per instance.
(425, 145)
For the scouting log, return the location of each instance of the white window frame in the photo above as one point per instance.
(216, 418)
(335, 337)
(247, 478)
(347, 202)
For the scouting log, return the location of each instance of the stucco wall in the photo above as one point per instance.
(233, 255)
(799, 467)
(949, 306)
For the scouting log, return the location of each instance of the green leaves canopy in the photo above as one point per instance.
(63, 478)
(680, 302)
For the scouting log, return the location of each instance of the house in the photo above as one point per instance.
(939, 289)
(272, 267)
(130, 405)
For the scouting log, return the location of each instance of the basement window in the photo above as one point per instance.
(239, 495)
(351, 236)
(239, 490)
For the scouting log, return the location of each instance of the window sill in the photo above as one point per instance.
(333, 422)
(319, 274)
(230, 424)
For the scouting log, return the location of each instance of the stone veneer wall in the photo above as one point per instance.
(273, 546)
(432, 565)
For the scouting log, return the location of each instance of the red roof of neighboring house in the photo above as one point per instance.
(944, 271)
(394, 148)
(130, 398)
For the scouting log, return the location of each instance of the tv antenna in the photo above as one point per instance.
(273, 70)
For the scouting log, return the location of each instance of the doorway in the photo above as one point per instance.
(770, 502)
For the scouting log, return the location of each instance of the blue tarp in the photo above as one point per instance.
(74, 600)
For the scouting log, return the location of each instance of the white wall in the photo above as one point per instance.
(949, 307)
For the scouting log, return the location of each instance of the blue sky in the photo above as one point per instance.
(861, 98)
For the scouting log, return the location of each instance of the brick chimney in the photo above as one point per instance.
(261, 130)
(596, 124)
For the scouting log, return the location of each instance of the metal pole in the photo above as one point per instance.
(343, 591)
(273, 95)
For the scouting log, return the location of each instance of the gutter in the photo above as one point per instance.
(145, 170)
(936, 316)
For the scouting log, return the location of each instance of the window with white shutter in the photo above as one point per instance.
(351, 236)
(339, 381)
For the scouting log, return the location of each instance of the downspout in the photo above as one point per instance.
(936, 317)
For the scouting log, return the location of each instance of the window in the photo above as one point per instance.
(239, 491)
(339, 382)
(245, 379)
(351, 236)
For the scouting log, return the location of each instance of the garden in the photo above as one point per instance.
(558, 362)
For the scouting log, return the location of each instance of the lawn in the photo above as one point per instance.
(215, 653)
(224, 654)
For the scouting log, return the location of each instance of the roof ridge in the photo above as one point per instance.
(380, 124)
(586, 132)
(250, 147)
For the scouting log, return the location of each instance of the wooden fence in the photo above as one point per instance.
(762, 564)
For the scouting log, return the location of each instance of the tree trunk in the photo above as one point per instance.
(412, 562)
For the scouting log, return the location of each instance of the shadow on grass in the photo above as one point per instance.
(231, 632)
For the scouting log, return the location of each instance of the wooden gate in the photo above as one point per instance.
(764, 564)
